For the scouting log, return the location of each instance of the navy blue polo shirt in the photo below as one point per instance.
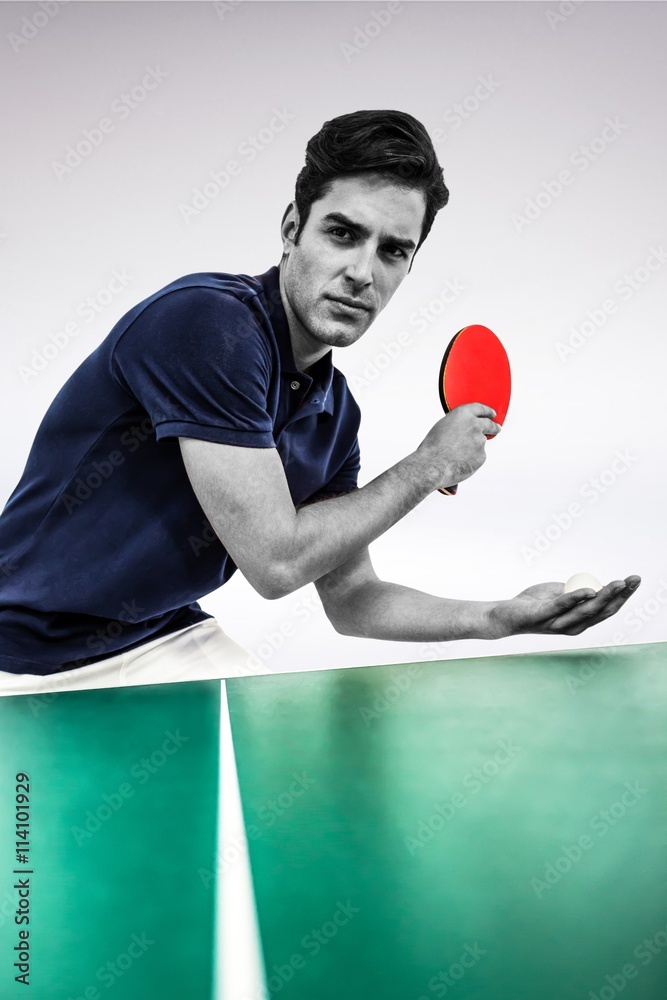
(103, 543)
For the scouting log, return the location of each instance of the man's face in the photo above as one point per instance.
(352, 254)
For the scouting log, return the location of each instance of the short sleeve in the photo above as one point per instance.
(345, 480)
(199, 363)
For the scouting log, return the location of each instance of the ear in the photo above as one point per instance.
(289, 226)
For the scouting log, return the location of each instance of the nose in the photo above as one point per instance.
(359, 268)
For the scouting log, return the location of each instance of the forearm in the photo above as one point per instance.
(380, 610)
(327, 534)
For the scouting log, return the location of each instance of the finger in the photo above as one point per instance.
(605, 603)
(614, 605)
(554, 621)
(592, 608)
(481, 410)
(618, 599)
(583, 604)
(566, 602)
(490, 427)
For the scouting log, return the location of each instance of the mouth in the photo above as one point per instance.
(349, 305)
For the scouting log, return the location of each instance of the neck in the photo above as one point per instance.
(306, 349)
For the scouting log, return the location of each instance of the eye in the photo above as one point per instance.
(337, 230)
(397, 255)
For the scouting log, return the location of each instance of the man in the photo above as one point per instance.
(210, 431)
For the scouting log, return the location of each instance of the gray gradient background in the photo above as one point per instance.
(226, 69)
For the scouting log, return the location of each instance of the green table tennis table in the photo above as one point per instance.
(484, 829)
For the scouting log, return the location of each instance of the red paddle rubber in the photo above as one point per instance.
(475, 369)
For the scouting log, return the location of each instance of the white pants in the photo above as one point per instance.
(199, 652)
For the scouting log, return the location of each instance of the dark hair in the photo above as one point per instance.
(391, 143)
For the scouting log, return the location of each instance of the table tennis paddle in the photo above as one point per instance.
(475, 369)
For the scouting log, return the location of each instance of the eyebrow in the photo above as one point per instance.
(362, 230)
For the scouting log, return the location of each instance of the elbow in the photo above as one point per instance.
(346, 608)
(343, 623)
(274, 582)
(344, 627)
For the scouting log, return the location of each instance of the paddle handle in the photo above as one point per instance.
(450, 491)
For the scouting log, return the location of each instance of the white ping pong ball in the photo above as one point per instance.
(582, 580)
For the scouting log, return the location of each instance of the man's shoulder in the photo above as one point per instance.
(210, 286)
(250, 299)
(213, 300)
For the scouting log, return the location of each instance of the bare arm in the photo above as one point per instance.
(244, 494)
(358, 603)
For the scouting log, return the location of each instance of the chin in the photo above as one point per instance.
(339, 334)
(339, 337)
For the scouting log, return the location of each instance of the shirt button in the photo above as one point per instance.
(294, 385)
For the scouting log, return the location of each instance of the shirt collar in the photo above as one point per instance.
(320, 378)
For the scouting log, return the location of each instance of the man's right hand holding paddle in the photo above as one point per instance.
(455, 445)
